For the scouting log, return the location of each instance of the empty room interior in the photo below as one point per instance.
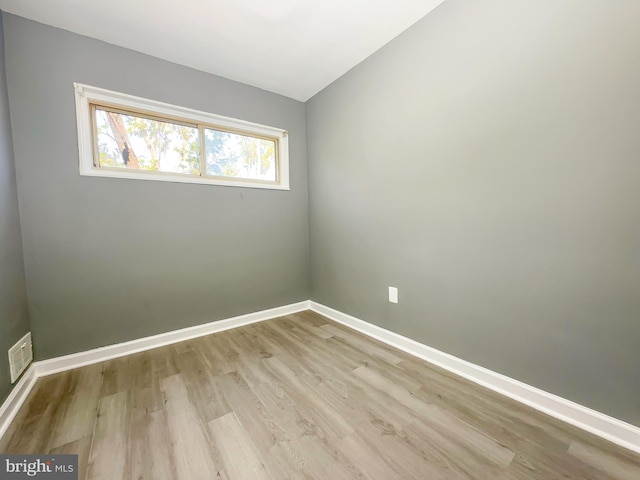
(320, 240)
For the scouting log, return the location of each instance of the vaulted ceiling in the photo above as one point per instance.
(291, 47)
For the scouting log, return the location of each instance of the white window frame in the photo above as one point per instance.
(87, 95)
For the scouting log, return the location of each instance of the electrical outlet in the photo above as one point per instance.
(393, 294)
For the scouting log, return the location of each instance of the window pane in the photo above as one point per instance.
(134, 142)
(239, 156)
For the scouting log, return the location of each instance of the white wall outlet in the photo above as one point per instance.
(393, 294)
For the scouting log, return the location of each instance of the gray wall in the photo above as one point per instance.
(14, 319)
(109, 260)
(487, 163)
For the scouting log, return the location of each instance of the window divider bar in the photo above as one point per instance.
(203, 158)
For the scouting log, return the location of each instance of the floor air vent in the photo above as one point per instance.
(20, 356)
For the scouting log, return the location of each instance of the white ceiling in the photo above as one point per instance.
(291, 47)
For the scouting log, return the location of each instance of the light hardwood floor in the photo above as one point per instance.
(297, 397)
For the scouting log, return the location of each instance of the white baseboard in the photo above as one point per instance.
(607, 427)
(81, 359)
(12, 404)
(16, 398)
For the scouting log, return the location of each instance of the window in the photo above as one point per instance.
(129, 137)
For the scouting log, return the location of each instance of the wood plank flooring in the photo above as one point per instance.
(298, 397)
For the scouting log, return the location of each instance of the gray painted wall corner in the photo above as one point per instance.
(14, 317)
